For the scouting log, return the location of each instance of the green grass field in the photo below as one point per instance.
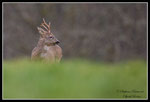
(74, 79)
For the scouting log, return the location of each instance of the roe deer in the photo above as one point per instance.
(47, 47)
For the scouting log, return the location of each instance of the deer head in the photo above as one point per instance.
(49, 38)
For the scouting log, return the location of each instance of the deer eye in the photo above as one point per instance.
(51, 37)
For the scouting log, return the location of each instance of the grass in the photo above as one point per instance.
(74, 79)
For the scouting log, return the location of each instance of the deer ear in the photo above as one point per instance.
(42, 36)
(41, 31)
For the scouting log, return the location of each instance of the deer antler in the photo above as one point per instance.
(46, 26)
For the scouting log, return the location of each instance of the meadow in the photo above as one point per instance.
(74, 79)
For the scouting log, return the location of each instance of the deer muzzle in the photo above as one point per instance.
(57, 41)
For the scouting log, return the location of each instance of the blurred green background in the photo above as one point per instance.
(74, 79)
(104, 51)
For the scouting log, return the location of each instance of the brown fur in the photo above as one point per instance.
(47, 47)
